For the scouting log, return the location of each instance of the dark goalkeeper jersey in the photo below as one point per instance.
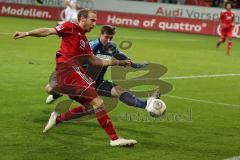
(108, 52)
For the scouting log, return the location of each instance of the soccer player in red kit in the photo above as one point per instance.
(71, 78)
(227, 25)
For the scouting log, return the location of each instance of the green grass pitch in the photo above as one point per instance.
(208, 107)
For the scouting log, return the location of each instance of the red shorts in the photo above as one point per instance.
(72, 80)
(227, 32)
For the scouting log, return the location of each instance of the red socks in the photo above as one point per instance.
(106, 123)
(229, 46)
(101, 116)
(73, 114)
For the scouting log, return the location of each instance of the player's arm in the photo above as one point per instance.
(101, 62)
(67, 3)
(40, 32)
(221, 20)
(121, 56)
(104, 63)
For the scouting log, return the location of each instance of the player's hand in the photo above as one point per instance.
(139, 65)
(110, 46)
(124, 62)
(18, 35)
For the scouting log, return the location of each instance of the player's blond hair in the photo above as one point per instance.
(85, 12)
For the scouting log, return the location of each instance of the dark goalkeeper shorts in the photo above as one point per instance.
(104, 88)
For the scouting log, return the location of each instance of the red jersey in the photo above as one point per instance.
(227, 18)
(74, 42)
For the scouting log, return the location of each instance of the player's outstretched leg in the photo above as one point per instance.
(221, 40)
(52, 94)
(106, 123)
(130, 99)
(218, 44)
(52, 97)
(51, 122)
(74, 113)
(150, 104)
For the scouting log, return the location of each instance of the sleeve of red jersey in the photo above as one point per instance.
(89, 50)
(221, 16)
(65, 28)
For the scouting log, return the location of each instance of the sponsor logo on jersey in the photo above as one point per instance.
(82, 44)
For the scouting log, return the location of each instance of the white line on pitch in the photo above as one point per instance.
(202, 101)
(181, 77)
(233, 158)
(204, 76)
(2, 33)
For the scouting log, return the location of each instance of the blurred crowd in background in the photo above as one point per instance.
(207, 3)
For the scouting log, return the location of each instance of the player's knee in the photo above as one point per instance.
(117, 91)
(48, 89)
(96, 102)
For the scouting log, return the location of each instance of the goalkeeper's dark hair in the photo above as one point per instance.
(85, 12)
(108, 29)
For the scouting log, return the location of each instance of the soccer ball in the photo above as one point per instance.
(156, 107)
